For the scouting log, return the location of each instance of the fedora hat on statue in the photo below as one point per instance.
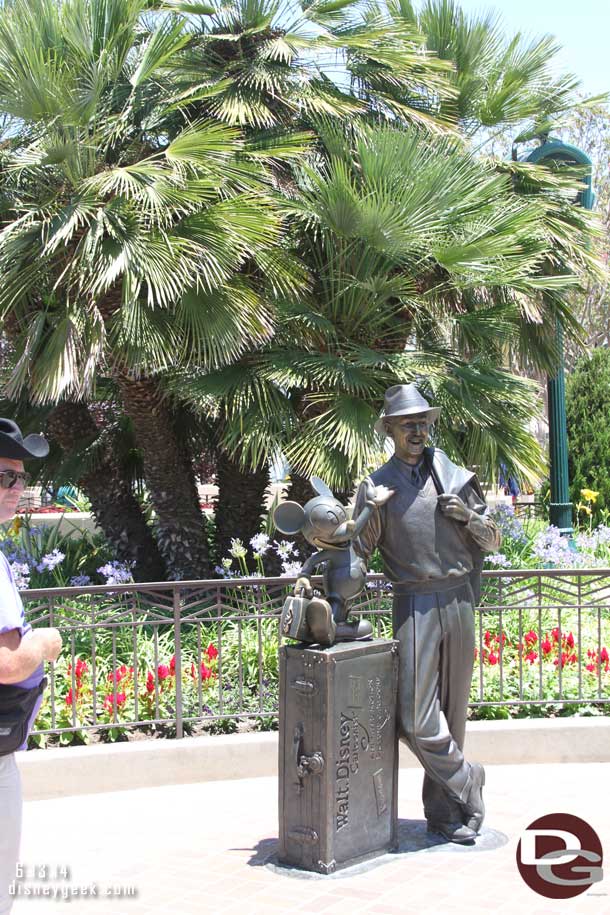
(404, 400)
(14, 445)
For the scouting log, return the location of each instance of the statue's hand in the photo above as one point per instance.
(382, 494)
(453, 507)
(303, 585)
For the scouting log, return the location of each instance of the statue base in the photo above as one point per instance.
(338, 763)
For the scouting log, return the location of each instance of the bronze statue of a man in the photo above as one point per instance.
(431, 536)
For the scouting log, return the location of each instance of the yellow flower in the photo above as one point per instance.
(589, 495)
(583, 508)
(15, 527)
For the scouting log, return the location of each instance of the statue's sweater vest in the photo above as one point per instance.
(418, 544)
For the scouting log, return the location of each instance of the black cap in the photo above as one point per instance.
(14, 445)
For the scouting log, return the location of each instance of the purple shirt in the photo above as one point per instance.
(12, 616)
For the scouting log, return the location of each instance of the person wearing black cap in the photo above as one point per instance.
(22, 653)
(431, 536)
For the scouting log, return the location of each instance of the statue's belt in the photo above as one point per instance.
(430, 586)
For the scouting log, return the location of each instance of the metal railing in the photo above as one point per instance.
(182, 655)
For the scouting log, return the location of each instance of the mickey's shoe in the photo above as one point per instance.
(353, 630)
(320, 621)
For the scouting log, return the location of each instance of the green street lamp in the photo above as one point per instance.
(555, 153)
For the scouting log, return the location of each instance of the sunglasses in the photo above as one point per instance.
(9, 478)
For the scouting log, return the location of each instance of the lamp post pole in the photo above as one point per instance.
(556, 153)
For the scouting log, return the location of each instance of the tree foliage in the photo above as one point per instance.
(588, 408)
(257, 215)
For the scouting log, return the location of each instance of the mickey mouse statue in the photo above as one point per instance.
(324, 523)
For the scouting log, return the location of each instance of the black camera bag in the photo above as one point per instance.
(16, 707)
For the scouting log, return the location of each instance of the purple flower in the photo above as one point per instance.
(50, 561)
(117, 573)
(80, 581)
(508, 524)
(499, 560)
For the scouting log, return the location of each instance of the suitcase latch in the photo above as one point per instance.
(306, 765)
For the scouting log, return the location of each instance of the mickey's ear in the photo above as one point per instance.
(320, 487)
(289, 517)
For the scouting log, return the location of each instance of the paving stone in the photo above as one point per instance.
(203, 849)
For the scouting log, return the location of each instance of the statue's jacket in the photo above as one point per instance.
(422, 549)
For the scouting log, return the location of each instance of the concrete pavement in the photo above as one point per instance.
(206, 848)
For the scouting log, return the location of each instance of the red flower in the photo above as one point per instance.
(121, 699)
(603, 655)
(546, 646)
(493, 658)
(163, 671)
(555, 634)
(212, 652)
(69, 697)
(570, 640)
(119, 674)
(150, 682)
(487, 637)
(172, 665)
(193, 669)
(592, 668)
(531, 637)
(566, 658)
(531, 656)
(206, 673)
(591, 653)
(81, 669)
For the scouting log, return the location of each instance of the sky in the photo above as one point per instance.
(582, 27)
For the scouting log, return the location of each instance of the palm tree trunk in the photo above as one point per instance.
(114, 506)
(180, 525)
(240, 505)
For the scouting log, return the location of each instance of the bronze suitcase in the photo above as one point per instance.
(338, 754)
(293, 621)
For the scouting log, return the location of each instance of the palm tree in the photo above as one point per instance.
(499, 81)
(426, 266)
(92, 457)
(275, 64)
(128, 245)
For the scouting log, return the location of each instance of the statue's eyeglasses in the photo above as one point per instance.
(8, 478)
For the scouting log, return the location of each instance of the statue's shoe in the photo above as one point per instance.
(453, 832)
(353, 630)
(474, 808)
(320, 621)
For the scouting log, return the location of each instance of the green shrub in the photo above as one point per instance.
(588, 409)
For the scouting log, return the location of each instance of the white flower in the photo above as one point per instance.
(291, 569)
(21, 575)
(285, 549)
(227, 563)
(238, 550)
(260, 544)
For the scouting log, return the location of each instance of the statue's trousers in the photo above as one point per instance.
(435, 632)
